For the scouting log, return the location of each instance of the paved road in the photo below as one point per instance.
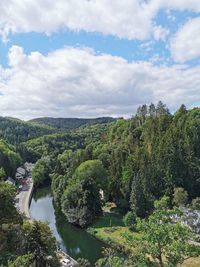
(24, 199)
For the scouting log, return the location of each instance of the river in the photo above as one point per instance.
(74, 241)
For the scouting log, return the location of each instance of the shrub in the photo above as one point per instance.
(130, 219)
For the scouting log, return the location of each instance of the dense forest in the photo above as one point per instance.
(143, 158)
(70, 123)
(155, 155)
(16, 131)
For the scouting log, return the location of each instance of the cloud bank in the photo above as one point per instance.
(75, 82)
(186, 42)
(131, 19)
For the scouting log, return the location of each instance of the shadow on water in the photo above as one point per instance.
(75, 241)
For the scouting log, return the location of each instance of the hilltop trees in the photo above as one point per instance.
(144, 158)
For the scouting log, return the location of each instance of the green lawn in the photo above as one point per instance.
(108, 220)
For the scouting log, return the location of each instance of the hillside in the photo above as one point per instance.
(70, 123)
(15, 131)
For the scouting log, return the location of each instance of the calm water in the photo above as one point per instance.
(76, 242)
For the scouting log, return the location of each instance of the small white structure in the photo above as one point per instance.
(101, 194)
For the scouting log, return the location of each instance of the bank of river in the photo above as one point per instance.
(74, 241)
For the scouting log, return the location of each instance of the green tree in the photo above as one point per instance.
(81, 201)
(180, 197)
(41, 171)
(166, 243)
(196, 203)
(22, 261)
(83, 262)
(2, 173)
(40, 242)
(7, 203)
(110, 259)
(130, 219)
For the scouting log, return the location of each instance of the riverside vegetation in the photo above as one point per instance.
(147, 167)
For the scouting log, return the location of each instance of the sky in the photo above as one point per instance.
(93, 58)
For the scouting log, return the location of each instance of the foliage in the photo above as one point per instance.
(196, 203)
(83, 262)
(7, 207)
(15, 131)
(71, 123)
(40, 243)
(25, 261)
(130, 219)
(41, 171)
(2, 173)
(111, 259)
(166, 243)
(81, 200)
(53, 144)
(9, 159)
(180, 197)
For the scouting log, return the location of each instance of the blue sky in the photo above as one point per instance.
(97, 58)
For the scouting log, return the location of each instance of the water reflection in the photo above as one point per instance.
(76, 242)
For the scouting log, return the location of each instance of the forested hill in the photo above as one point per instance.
(70, 123)
(15, 131)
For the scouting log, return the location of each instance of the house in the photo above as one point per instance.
(21, 171)
(18, 176)
(10, 181)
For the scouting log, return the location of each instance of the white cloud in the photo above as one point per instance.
(193, 5)
(128, 18)
(131, 19)
(186, 42)
(160, 33)
(77, 82)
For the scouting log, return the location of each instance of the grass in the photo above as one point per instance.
(193, 262)
(110, 229)
(108, 220)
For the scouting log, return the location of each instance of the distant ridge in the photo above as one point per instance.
(71, 123)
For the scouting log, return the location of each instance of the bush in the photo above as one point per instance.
(130, 219)
(180, 197)
(196, 203)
